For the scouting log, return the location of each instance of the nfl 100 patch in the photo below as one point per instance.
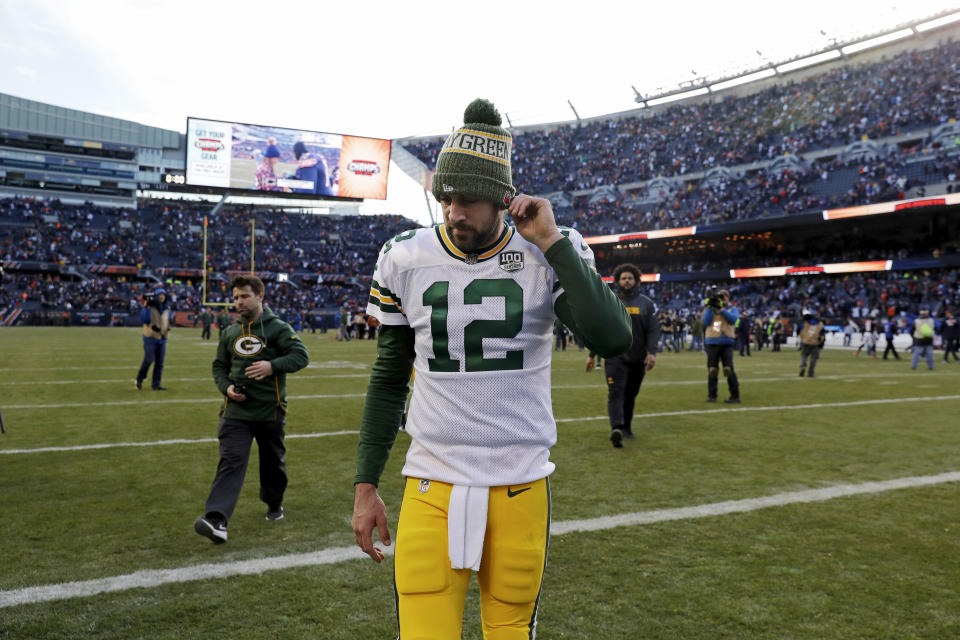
(511, 261)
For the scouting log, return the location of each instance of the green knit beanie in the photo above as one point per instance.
(475, 160)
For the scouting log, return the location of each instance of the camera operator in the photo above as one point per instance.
(719, 319)
(253, 359)
(155, 318)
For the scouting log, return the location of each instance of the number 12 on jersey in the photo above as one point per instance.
(436, 297)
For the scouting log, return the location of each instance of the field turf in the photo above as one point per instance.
(817, 509)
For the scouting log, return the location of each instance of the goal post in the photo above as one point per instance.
(206, 303)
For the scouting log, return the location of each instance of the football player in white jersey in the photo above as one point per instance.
(470, 304)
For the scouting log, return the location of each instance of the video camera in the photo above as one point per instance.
(713, 299)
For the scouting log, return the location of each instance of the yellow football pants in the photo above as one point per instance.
(431, 594)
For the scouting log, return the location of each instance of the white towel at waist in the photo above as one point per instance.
(466, 525)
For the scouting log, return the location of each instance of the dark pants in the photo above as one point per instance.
(153, 353)
(623, 385)
(744, 344)
(721, 355)
(890, 349)
(811, 352)
(236, 437)
(950, 347)
(205, 334)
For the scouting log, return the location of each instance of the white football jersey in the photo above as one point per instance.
(481, 411)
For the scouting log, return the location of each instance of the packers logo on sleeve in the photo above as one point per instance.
(247, 346)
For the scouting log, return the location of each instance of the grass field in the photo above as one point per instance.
(820, 509)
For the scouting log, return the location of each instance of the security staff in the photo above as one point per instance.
(923, 329)
(625, 372)
(719, 319)
(812, 336)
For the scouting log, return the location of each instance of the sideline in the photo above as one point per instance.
(822, 405)
(158, 577)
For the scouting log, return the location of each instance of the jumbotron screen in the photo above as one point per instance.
(258, 158)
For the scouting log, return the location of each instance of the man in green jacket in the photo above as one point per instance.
(250, 370)
(206, 319)
(223, 321)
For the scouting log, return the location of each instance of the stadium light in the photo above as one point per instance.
(939, 22)
(876, 42)
(678, 96)
(806, 62)
(751, 77)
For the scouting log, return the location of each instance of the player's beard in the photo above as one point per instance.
(626, 293)
(471, 239)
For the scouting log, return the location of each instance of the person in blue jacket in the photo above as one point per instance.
(312, 167)
(719, 336)
(155, 319)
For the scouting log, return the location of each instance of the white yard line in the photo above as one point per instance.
(131, 380)
(820, 405)
(123, 403)
(161, 443)
(158, 577)
(717, 410)
(598, 383)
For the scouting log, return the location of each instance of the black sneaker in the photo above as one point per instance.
(628, 434)
(275, 514)
(710, 399)
(211, 528)
(616, 437)
(734, 400)
(159, 388)
(139, 384)
(802, 372)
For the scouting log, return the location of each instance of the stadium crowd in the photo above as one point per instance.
(910, 91)
(328, 259)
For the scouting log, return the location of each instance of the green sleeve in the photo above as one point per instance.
(386, 396)
(221, 367)
(295, 356)
(587, 305)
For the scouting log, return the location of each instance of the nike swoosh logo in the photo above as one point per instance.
(511, 494)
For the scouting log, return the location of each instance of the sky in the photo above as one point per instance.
(396, 69)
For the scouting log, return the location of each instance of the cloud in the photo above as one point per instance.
(31, 74)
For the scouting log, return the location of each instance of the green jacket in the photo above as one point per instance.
(224, 320)
(206, 318)
(242, 344)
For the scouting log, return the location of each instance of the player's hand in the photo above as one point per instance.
(591, 364)
(259, 370)
(233, 395)
(650, 361)
(369, 511)
(534, 220)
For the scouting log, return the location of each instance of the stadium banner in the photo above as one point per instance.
(643, 235)
(258, 158)
(891, 207)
